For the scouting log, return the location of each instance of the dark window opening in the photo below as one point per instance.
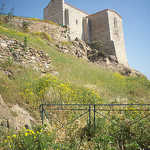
(76, 22)
(115, 22)
(52, 1)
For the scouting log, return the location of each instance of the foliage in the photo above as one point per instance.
(9, 16)
(96, 45)
(104, 142)
(39, 139)
(66, 43)
(64, 92)
(78, 82)
(25, 26)
(7, 63)
(42, 35)
(25, 44)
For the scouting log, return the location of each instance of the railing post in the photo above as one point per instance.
(90, 115)
(42, 114)
(94, 118)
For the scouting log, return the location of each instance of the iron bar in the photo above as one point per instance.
(109, 119)
(90, 115)
(90, 108)
(94, 117)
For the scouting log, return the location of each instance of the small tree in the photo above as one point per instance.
(10, 15)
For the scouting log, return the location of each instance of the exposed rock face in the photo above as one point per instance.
(21, 118)
(6, 119)
(98, 57)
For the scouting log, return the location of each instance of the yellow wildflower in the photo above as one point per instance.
(14, 135)
(26, 134)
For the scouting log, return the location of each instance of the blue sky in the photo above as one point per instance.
(136, 23)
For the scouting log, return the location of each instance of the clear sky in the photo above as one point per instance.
(136, 23)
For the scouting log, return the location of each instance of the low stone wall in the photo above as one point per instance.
(55, 31)
(13, 50)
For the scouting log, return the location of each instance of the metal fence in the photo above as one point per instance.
(62, 115)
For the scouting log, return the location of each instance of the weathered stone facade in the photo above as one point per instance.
(104, 26)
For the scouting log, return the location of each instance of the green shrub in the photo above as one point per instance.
(38, 139)
(25, 44)
(25, 26)
(42, 35)
(66, 43)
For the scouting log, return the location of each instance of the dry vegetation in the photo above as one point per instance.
(79, 82)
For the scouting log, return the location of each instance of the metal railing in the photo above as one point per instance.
(59, 113)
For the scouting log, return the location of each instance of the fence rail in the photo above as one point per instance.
(60, 112)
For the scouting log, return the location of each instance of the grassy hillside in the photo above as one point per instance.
(78, 81)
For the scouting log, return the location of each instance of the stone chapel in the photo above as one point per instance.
(104, 26)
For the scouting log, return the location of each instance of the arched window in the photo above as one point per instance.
(115, 22)
(52, 1)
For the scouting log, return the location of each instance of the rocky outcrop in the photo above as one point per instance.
(40, 60)
(98, 57)
(17, 121)
(6, 119)
(22, 118)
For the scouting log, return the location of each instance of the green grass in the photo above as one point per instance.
(82, 73)
(79, 82)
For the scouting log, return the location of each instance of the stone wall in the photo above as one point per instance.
(99, 26)
(99, 31)
(13, 50)
(54, 11)
(76, 21)
(35, 25)
(116, 35)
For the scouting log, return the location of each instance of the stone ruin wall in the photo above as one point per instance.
(99, 31)
(35, 25)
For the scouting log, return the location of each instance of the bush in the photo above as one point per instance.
(96, 45)
(39, 139)
(25, 26)
(42, 35)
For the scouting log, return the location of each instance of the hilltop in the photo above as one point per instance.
(40, 64)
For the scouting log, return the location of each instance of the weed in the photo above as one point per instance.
(25, 44)
(8, 18)
(29, 139)
(66, 43)
(25, 26)
(42, 35)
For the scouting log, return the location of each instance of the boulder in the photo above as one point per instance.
(21, 119)
(6, 119)
(3, 45)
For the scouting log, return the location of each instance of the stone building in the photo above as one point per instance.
(104, 26)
